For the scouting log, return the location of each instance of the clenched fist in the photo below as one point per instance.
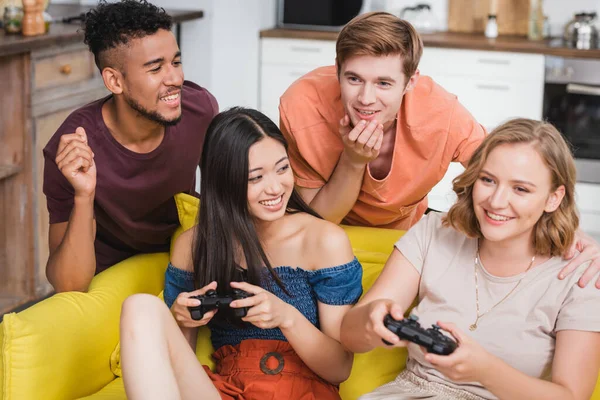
(75, 159)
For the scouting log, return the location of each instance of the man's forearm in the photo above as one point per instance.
(72, 265)
(337, 197)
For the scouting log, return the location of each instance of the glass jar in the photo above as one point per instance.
(13, 16)
(536, 20)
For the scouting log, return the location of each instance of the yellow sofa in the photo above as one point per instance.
(67, 347)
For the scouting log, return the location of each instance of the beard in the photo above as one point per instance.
(151, 115)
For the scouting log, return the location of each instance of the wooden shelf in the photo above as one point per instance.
(6, 171)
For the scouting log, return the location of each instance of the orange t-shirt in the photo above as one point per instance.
(433, 129)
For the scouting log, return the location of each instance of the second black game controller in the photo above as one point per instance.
(212, 301)
(409, 329)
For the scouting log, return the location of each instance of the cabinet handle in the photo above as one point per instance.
(493, 61)
(306, 49)
(583, 89)
(66, 69)
(503, 88)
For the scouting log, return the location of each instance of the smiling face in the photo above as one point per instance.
(512, 192)
(153, 77)
(373, 87)
(270, 180)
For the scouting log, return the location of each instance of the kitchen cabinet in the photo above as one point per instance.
(493, 86)
(16, 216)
(282, 61)
(63, 79)
(42, 88)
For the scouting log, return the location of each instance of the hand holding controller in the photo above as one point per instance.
(409, 329)
(211, 301)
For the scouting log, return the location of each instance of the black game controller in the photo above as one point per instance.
(409, 329)
(212, 301)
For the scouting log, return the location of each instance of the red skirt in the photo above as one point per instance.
(266, 370)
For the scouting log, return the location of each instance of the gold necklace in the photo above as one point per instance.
(473, 326)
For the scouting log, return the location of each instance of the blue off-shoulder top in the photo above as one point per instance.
(338, 285)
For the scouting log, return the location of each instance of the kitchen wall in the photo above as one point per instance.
(559, 12)
(221, 50)
(438, 7)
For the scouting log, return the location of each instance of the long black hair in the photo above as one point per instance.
(225, 229)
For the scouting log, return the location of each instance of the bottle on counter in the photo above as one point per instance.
(33, 20)
(536, 20)
(13, 16)
(491, 28)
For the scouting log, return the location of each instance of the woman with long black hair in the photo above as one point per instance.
(255, 234)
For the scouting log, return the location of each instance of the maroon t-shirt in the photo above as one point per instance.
(134, 207)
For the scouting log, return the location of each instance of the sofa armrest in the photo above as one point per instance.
(60, 348)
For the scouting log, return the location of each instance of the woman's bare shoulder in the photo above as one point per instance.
(326, 243)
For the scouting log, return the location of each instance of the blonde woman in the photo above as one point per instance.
(486, 273)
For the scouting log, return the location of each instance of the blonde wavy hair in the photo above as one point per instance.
(554, 232)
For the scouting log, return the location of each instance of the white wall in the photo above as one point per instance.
(560, 12)
(196, 40)
(221, 50)
(235, 46)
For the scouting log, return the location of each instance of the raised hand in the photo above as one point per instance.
(363, 142)
(589, 250)
(180, 310)
(75, 159)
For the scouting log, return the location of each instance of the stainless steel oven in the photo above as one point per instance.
(572, 104)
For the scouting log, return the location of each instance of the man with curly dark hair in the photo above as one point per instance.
(113, 167)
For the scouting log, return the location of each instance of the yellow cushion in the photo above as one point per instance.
(60, 348)
(113, 391)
